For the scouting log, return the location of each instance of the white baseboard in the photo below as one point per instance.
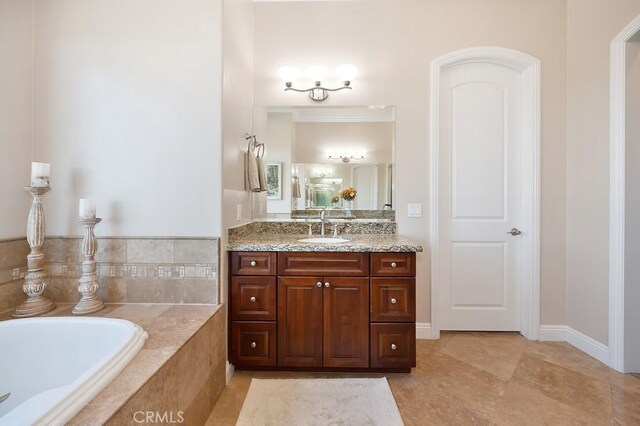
(588, 345)
(564, 333)
(230, 371)
(424, 331)
(553, 333)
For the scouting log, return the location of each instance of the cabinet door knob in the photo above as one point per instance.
(393, 347)
(253, 263)
(394, 264)
(393, 301)
(253, 344)
(253, 298)
(318, 284)
(327, 285)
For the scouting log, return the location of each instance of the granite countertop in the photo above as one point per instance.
(356, 243)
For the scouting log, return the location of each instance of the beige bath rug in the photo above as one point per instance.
(348, 402)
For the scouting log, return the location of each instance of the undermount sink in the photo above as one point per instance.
(320, 240)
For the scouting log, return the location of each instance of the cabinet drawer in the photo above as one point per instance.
(393, 345)
(253, 298)
(393, 264)
(323, 264)
(253, 343)
(393, 299)
(253, 263)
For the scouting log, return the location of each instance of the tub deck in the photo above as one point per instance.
(180, 370)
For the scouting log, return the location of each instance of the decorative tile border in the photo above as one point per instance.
(130, 270)
(13, 267)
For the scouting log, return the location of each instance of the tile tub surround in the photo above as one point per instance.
(13, 267)
(181, 367)
(357, 243)
(302, 228)
(137, 270)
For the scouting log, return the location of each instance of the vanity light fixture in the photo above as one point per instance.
(322, 173)
(317, 74)
(346, 158)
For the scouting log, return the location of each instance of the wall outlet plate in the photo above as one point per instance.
(414, 210)
(239, 212)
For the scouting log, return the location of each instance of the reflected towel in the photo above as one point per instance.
(262, 174)
(295, 192)
(251, 179)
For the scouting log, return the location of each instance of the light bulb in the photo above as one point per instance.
(317, 72)
(288, 74)
(346, 72)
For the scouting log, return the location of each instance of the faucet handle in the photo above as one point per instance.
(310, 230)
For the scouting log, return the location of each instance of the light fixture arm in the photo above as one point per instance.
(318, 93)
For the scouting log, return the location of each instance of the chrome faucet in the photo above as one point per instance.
(322, 222)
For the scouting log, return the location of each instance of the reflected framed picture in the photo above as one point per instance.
(274, 181)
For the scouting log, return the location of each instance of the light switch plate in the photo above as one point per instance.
(414, 210)
(239, 212)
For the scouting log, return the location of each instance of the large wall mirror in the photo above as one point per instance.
(315, 154)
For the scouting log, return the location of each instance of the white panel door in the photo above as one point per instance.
(365, 181)
(479, 197)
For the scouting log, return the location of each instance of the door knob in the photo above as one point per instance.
(253, 263)
(327, 285)
(393, 347)
(318, 284)
(253, 344)
(515, 232)
(393, 301)
(252, 298)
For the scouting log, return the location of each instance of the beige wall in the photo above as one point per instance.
(315, 141)
(16, 122)
(237, 100)
(592, 24)
(632, 211)
(127, 111)
(393, 44)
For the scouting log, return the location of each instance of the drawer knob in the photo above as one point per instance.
(253, 344)
(253, 298)
(393, 347)
(253, 263)
(327, 285)
(394, 264)
(318, 284)
(393, 301)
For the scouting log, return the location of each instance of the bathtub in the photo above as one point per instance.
(52, 367)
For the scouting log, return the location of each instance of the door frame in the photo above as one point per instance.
(529, 67)
(617, 141)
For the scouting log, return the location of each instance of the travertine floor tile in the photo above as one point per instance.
(625, 393)
(565, 355)
(488, 378)
(495, 353)
(566, 386)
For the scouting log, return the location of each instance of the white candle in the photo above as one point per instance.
(40, 173)
(87, 209)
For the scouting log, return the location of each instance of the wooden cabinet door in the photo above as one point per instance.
(346, 322)
(299, 321)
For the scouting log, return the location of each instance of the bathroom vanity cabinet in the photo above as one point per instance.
(322, 310)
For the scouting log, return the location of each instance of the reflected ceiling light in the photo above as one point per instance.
(317, 73)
